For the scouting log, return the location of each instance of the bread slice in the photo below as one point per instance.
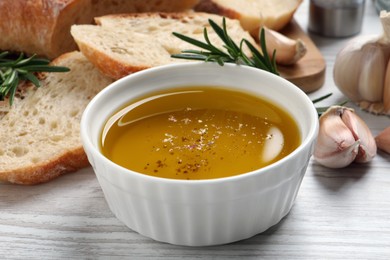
(42, 26)
(40, 135)
(253, 13)
(122, 44)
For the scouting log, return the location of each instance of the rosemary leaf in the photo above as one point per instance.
(21, 62)
(212, 48)
(232, 52)
(321, 110)
(32, 78)
(11, 78)
(44, 68)
(13, 87)
(39, 61)
(192, 41)
(14, 69)
(189, 56)
(267, 59)
(3, 54)
(321, 98)
(223, 34)
(259, 59)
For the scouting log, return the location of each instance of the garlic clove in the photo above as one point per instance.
(371, 78)
(383, 140)
(346, 72)
(288, 51)
(336, 146)
(340, 158)
(361, 132)
(343, 138)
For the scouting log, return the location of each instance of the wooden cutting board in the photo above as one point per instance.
(309, 72)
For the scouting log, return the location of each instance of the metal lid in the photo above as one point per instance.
(336, 18)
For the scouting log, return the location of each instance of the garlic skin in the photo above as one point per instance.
(343, 138)
(383, 140)
(288, 51)
(361, 70)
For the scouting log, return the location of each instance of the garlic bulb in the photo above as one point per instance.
(383, 140)
(288, 51)
(362, 70)
(343, 138)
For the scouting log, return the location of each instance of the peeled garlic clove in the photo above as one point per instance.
(361, 132)
(336, 146)
(383, 140)
(288, 51)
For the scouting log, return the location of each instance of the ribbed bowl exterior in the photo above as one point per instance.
(209, 213)
(204, 212)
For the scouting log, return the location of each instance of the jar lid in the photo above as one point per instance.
(336, 18)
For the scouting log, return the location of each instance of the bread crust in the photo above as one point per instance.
(69, 161)
(32, 26)
(42, 27)
(111, 65)
(107, 65)
(252, 24)
(210, 7)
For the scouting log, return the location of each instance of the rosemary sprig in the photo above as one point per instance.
(321, 110)
(233, 53)
(14, 69)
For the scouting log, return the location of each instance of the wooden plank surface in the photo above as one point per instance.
(309, 72)
(336, 215)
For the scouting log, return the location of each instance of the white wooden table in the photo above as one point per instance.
(338, 214)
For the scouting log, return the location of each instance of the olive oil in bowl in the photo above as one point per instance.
(197, 133)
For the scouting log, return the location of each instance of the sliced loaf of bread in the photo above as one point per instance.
(40, 135)
(253, 14)
(42, 26)
(122, 44)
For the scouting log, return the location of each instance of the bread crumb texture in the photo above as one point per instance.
(43, 26)
(122, 44)
(40, 138)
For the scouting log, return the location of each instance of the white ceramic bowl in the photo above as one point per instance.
(201, 212)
